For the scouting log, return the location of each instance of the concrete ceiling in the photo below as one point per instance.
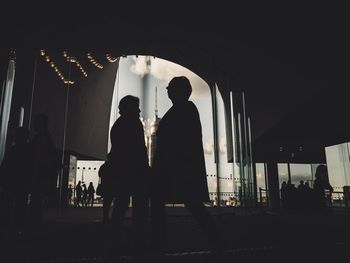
(286, 58)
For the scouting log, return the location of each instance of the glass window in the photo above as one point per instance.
(300, 172)
(338, 165)
(260, 180)
(282, 173)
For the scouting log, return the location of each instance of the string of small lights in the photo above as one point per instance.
(52, 64)
(111, 59)
(93, 61)
(75, 61)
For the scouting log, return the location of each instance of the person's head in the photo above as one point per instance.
(321, 171)
(179, 89)
(129, 106)
(41, 123)
(21, 135)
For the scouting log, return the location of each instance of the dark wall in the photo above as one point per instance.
(89, 99)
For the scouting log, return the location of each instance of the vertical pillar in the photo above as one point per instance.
(21, 117)
(213, 89)
(6, 98)
(273, 186)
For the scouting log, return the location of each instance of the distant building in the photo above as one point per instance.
(151, 133)
(152, 138)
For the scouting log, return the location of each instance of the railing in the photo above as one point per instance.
(232, 199)
(333, 199)
(223, 199)
(340, 199)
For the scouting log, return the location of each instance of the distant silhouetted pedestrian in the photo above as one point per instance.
(91, 194)
(308, 195)
(321, 184)
(78, 194)
(85, 196)
(15, 176)
(69, 195)
(291, 196)
(179, 166)
(129, 164)
(284, 195)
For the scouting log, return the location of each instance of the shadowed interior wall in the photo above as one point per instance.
(89, 103)
(89, 112)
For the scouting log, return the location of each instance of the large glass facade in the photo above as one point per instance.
(243, 166)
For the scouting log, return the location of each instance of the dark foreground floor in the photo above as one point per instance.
(77, 235)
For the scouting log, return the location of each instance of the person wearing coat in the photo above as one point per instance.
(179, 173)
(130, 170)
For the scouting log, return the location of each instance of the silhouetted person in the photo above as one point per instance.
(291, 196)
(308, 195)
(15, 176)
(85, 196)
(179, 173)
(321, 184)
(44, 170)
(284, 195)
(69, 195)
(301, 195)
(129, 163)
(78, 194)
(105, 175)
(91, 194)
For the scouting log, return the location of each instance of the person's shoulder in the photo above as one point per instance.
(191, 110)
(190, 105)
(116, 123)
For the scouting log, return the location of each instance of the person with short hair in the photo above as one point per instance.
(179, 172)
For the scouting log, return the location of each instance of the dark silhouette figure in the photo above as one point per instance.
(106, 186)
(307, 195)
(291, 196)
(15, 176)
(322, 188)
(85, 196)
(301, 196)
(179, 173)
(69, 195)
(91, 194)
(284, 195)
(78, 195)
(129, 164)
(45, 167)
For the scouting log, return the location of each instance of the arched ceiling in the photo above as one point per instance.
(284, 57)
